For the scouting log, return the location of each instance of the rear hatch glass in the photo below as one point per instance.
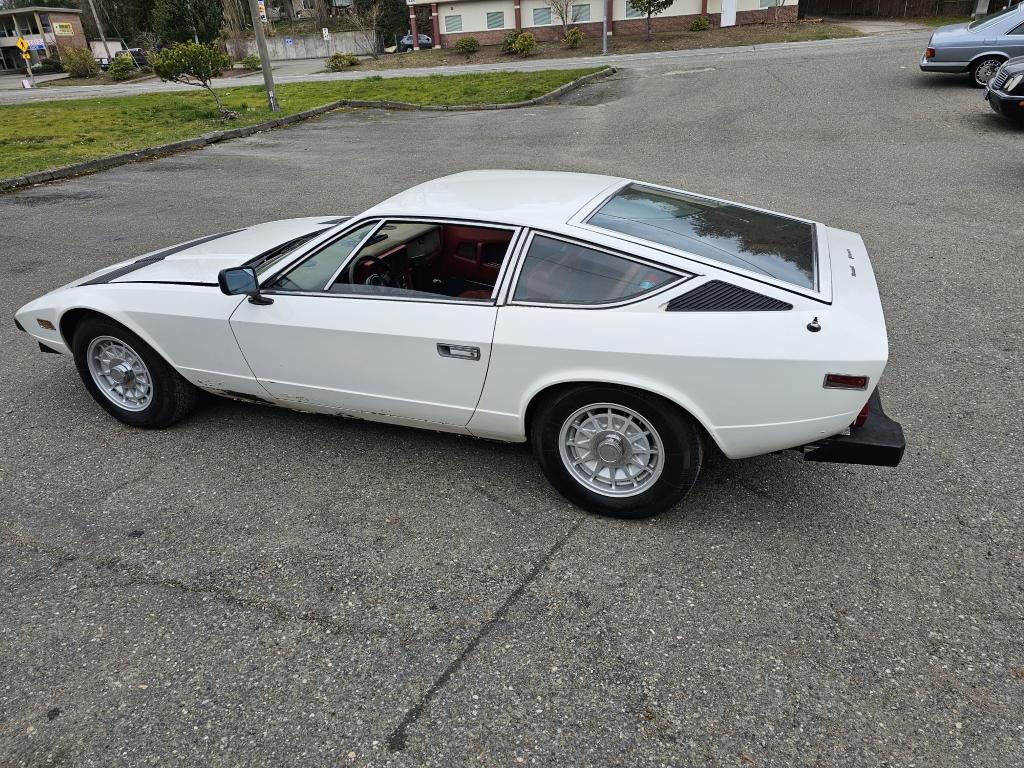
(766, 243)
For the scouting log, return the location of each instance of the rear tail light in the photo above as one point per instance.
(929, 53)
(863, 415)
(845, 381)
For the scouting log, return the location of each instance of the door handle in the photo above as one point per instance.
(462, 353)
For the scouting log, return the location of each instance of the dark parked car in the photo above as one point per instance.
(405, 44)
(1005, 91)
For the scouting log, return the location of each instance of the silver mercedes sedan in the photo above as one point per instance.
(980, 47)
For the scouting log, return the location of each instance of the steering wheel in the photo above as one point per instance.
(386, 276)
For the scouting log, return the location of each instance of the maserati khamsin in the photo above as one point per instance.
(622, 328)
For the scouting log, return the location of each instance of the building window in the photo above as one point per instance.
(580, 13)
(495, 19)
(770, 3)
(45, 21)
(453, 23)
(541, 17)
(631, 12)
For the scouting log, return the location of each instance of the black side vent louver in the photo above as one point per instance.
(716, 296)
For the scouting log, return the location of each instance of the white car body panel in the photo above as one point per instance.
(753, 380)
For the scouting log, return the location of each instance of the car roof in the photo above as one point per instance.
(525, 198)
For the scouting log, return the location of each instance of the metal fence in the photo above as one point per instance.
(892, 8)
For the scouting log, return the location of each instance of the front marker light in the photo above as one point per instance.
(46, 325)
(1013, 82)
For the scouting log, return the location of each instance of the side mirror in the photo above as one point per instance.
(241, 281)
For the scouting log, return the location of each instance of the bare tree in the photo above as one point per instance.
(563, 10)
(368, 18)
(650, 8)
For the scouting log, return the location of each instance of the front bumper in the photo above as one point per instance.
(1008, 105)
(879, 442)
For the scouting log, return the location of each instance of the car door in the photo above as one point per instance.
(393, 354)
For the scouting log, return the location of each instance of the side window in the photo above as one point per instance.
(1017, 31)
(560, 272)
(315, 272)
(427, 260)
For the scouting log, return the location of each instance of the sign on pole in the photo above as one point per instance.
(262, 6)
(27, 56)
(326, 33)
(289, 41)
(22, 45)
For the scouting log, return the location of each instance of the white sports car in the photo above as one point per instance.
(622, 328)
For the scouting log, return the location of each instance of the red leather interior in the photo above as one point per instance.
(474, 253)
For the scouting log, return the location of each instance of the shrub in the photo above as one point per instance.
(252, 62)
(526, 44)
(700, 24)
(337, 62)
(467, 46)
(79, 62)
(49, 66)
(508, 42)
(572, 38)
(121, 68)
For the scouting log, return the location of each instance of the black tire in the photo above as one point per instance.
(985, 63)
(679, 435)
(172, 397)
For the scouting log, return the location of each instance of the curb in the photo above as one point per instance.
(112, 161)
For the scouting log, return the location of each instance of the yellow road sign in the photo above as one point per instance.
(26, 56)
(22, 45)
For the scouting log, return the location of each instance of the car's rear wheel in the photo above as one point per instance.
(616, 452)
(127, 377)
(983, 69)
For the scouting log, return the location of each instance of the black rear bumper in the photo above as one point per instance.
(879, 442)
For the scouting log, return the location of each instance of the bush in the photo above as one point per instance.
(508, 42)
(467, 46)
(700, 24)
(79, 62)
(572, 38)
(337, 62)
(194, 64)
(525, 45)
(252, 62)
(48, 66)
(121, 68)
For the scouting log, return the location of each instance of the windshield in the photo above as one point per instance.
(988, 21)
(767, 243)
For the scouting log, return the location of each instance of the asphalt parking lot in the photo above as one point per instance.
(257, 587)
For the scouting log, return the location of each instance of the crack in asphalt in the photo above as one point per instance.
(398, 738)
(140, 578)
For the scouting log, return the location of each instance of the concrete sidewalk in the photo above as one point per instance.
(307, 70)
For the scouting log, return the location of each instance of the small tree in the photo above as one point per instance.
(194, 64)
(368, 17)
(650, 8)
(563, 10)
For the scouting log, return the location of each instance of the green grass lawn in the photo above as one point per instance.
(39, 136)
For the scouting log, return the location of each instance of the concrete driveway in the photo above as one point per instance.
(257, 587)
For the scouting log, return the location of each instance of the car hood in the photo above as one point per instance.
(1014, 66)
(200, 260)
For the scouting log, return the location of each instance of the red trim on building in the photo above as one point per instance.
(435, 25)
(412, 28)
(519, 17)
(703, 7)
(611, 16)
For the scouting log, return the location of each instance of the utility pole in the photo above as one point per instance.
(604, 30)
(99, 28)
(261, 46)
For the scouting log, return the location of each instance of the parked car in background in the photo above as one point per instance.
(979, 48)
(1005, 91)
(621, 328)
(405, 44)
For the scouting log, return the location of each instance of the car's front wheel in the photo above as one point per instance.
(983, 70)
(616, 452)
(127, 377)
